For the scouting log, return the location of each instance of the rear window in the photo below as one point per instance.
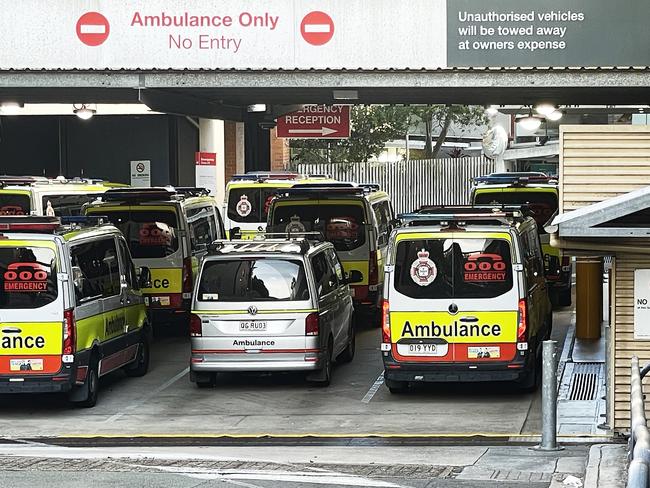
(453, 268)
(542, 203)
(150, 233)
(342, 224)
(27, 277)
(241, 280)
(250, 205)
(66, 205)
(14, 204)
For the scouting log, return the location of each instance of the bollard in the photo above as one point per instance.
(549, 397)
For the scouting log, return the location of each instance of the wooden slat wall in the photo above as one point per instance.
(623, 346)
(601, 161)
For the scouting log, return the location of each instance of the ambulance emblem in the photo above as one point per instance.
(295, 226)
(244, 207)
(423, 270)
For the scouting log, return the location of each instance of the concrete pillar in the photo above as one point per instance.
(240, 143)
(212, 139)
(589, 297)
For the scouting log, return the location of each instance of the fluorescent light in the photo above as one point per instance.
(84, 112)
(530, 123)
(345, 95)
(555, 115)
(492, 109)
(544, 109)
(256, 107)
(10, 108)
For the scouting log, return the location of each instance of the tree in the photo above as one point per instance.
(443, 116)
(372, 127)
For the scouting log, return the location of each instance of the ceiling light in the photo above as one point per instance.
(345, 95)
(256, 107)
(10, 108)
(544, 109)
(492, 109)
(84, 112)
(555, 115)
(530, 122)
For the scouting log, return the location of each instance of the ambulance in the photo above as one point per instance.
(168, 230)
(71, 307)
(249, 195)
(540, 193)
(60, 197)
(464, 299)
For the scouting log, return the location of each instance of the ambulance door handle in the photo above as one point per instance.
(12, 330)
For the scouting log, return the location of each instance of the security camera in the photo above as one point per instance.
(267, 124)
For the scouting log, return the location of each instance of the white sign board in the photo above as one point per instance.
(642, 304)
(141, 173)
(206, 171)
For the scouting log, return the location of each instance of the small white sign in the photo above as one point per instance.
(141, 173)
(642, 304)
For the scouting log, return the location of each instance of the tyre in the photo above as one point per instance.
(348, 354)
(91, 386)
(208, 380)
(532, 378)
(396, 387)
(324, 376)
(140, 366)
(564, 297)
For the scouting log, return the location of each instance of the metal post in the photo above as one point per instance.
(549, 397)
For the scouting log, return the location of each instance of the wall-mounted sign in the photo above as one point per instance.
(141, 173)
(642, 304)
(317, 122)
(206, 171)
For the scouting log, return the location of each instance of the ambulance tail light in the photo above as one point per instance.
(69, 332)
(373, 269)
(385, 322)
(187, 276)
(312, 324)
(196, 329)
(523, 322)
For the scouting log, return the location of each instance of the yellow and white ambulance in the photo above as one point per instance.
(249, 195)
(464, 299)
(168, 230)
(539, 193)
(71, 307)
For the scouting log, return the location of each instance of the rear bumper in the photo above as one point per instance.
(36, 384)
(266, 361)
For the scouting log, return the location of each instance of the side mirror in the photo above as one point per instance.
(354, 276)
(395, 223)
(144, 277)
(77, 277)
(235, 233)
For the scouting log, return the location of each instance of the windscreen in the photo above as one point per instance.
(243, 280)
(542, 203)
(150, 233)
(250, 205)
(342, 224)
(453, 268)
(27, 277)
(14, 204)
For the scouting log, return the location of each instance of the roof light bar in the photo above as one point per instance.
(29, 224)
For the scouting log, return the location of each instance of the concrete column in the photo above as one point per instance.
(240, 147)
(212, 139)
(280, 152)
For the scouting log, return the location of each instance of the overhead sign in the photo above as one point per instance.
(341, 34)
(642, 304)
(141, 173)
(206, 170)
(316, 121)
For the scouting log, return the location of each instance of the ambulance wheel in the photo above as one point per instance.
(140, 366)
(91, 385)
(532, 378)
(396, 387)
(564, 297)
(323, 377)
(348, 353)
(206, 380)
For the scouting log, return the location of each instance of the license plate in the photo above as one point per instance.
(435, 350)
(26, 365)
(252, 326)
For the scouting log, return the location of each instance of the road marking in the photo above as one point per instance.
(373, 389)
(148, 397)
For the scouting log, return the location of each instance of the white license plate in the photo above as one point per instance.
(422, 349)
(252, 326)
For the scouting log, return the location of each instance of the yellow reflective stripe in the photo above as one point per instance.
(20, 243)
(316, 201)
(516, 190)
(491, 327)
(261, 185)
(449, 235)
(15, 192)
(259, 312)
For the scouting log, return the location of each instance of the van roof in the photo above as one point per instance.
(42, 182)
(66, 227)
(166, 194)
(462, 216)
(334, 190)
(294, 245)
(515, 180)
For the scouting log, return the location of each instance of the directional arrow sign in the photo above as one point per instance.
(316, 121)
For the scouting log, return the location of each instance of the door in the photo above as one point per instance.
(328, 299)
(343, 297)
(131, 296)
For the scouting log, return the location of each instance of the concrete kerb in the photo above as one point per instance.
(606, 466)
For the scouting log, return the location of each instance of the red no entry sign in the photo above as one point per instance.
(316, 121)
(93, 28)
(317, 28)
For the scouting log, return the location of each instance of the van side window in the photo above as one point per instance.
(383, 222)
(335, 265)
(129, 268)
(97, 269)
(533, 262)
(324, 274)
(66, 205)
(203, 226)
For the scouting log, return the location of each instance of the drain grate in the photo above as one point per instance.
(584, 381)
